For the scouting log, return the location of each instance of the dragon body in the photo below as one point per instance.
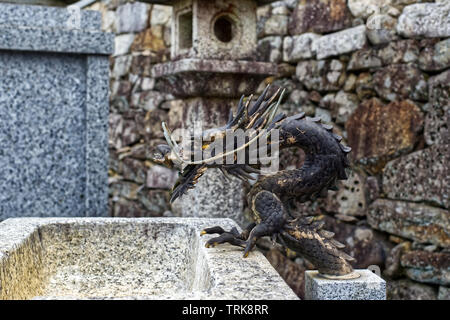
(325, 163)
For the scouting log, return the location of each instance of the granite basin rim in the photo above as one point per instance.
(128, 258)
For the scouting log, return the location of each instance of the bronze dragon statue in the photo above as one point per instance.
(325, 163)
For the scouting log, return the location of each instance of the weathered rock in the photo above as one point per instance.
(269, 49)
(364, 59)
(109, 21)
(159, 177)
(150, 39)
(436, 126)
(321, 16)
(140, 151)
(122, 66)
(124, 189)
(122, 132)
(425, 20)
(296, 48)
(322, 75)
(126, 208)
(343, 106)
(394, 268)
(428, 267)
(350, 82)
(444, 293)
(160, 15)
(350, 199)
(420, 176)
(285, 70)
(409, 290)
(437, 118)
(439, 92)
(155, 202)
(134, 170)
(415, 221)
(276, 25)
(435, 58)
(364, 8)
(146, 83)
(122, 44)
(151, 100)
(141, 64)
(341, 42)
(364, 86)
(324, 115)
(373, 188)
(377, 133)
(119, 103)
(362, 243)
(381, 28)
(132, 17)
(401, 81)
(291, 272)
(397, 52)
(281, 7)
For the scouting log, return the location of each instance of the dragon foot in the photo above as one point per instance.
(232, 237)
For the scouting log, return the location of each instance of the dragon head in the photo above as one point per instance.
(259, 116)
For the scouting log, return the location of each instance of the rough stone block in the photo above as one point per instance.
(378, 132)
(364, 8)
(125, 258)
(428, 267)
(151, 39)
(297, 48)
(444, 293)
(324, 75)
(415, 221)
(122, 44)
(276, 25)
(425, 20)
(159, 177)
(437, 119)
(132, 17)
(401, 81)
(436, 57)
(341, 42)
(368, 286)
(270, 49)
(321, 16)
(419, 176)
(381, 28)
(406, 289)
(54, 105)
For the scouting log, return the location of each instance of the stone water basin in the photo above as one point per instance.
(128, 258)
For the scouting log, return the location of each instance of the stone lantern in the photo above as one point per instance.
(212, 64)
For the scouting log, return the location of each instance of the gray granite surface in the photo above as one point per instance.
(55, 40)
(129, 258)
(54, 110)
(46, 17)
(368, 286)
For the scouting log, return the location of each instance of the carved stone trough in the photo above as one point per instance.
(128, 258)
